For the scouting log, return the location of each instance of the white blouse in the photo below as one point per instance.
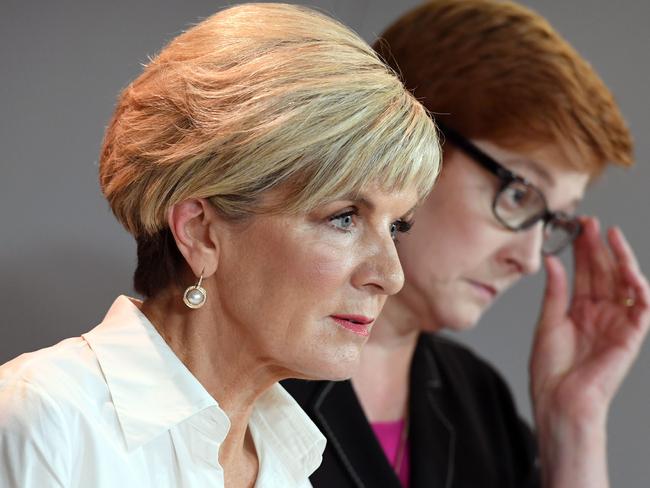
(117, 408)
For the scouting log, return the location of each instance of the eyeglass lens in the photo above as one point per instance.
(519, 206)
(558, 234)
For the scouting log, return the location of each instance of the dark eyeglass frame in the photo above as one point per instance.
(507, 177)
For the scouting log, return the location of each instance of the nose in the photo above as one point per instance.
(524, 250)
(380, 270)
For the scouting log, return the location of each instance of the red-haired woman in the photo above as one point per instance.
(528, 124)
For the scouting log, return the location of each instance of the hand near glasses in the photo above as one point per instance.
(583, 348)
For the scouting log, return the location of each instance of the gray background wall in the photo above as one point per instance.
(63, 258)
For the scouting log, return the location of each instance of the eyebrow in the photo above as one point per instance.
(531, 165)
(361, 199)
(546, 176)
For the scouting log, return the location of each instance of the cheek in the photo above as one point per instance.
(440, 252)
(443, 248)
(308, 286)
(456, 227)
(314, 279)
(327, 267)
(288, 278)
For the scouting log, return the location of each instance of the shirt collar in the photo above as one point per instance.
(288, 432)
(152, 391)
(151, 388)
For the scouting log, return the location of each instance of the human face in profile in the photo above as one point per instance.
(302, 291)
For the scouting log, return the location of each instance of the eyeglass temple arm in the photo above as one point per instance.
(474, 152)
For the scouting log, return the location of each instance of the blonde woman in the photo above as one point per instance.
(265, 161)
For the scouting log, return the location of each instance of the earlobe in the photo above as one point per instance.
(191, 223)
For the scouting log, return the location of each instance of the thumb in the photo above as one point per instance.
(543, 362)
(556, 300)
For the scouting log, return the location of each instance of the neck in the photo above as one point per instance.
(381, 382)
(219, 359)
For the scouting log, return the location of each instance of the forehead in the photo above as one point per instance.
(375, 197)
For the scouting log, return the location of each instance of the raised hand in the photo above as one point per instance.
(584, 345)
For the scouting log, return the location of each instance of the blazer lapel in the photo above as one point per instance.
(341, 417)
(432, 436)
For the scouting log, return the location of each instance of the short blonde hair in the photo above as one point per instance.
(499, 71)
(254, 97)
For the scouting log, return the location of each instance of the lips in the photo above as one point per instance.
(358, 324)
(487, 290)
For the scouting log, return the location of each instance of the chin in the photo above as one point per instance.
(460, 325)
(459, 317)
(337, 373)
(335, 365)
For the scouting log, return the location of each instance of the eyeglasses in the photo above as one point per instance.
(518, 205)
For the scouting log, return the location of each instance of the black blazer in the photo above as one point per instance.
(464, 429)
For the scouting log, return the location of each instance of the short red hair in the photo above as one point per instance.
(498, 71)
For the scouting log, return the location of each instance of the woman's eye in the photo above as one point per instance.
(343, 221)
(400, 227)
(516, 197)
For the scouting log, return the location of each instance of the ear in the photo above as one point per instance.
(193, 223)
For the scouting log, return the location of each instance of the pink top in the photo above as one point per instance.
(389, 435)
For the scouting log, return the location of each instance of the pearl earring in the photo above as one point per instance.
(195, 295)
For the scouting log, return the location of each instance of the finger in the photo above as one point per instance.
(622, 250)
(624, 258)
(581, 273)
(603, 270)
(556, 300)
(640, 293)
